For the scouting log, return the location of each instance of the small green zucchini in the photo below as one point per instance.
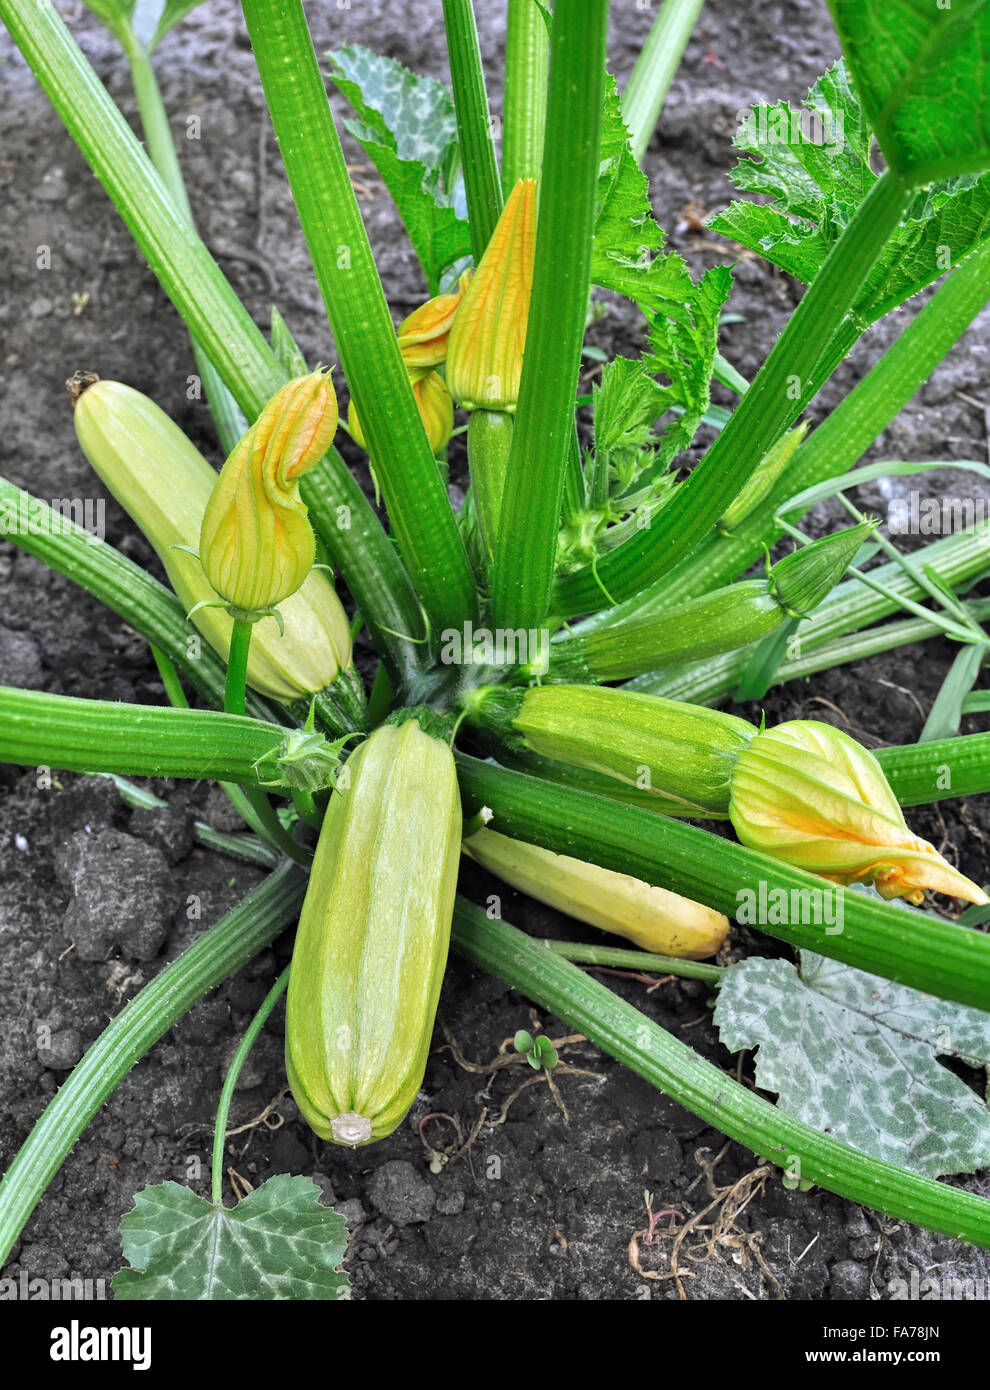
(373, 936)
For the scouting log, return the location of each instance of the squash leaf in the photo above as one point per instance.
(854, 1056)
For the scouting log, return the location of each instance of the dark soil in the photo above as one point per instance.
(544, 1203)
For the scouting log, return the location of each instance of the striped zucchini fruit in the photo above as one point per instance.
(373, 937)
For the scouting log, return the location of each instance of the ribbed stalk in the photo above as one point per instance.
(74, 735)
(474, 123)
(918, 950)
(712, 681)
(934, 771)
(241, 934)
(228, 419)
(659, 59)
(489, 447)
(422, 520)
(527, 57)
(768, 408)
(649, 1050)
(358, 546)
(526, 547)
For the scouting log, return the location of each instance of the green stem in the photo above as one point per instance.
(237, 664)
(230, 422)
(635, 960)
(230, 1081)
(917, 950)
(651, 1052)
(527, 58)
(489, 446)
(424, 524)
(659, 59)
(136, 740)
(482, 187)
(241, 934)
(946, 767)
(526, 546)
(768, 408)
(262, 818)
(710, 682)
(358, 545)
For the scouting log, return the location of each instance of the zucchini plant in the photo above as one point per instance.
(549, 657)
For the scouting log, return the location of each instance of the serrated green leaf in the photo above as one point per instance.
(626, 254)
(816, 188)
(920, 70)
(277, 1243)
(854, 1056)
(627, 403)
(408, 129)
(684, 350)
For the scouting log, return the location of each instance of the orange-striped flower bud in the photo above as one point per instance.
(257, 544)
(423, 336)
(488, 337)
(435, 407)
(812, 796)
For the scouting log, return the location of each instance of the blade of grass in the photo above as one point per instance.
(242, 933)
(669, 1064)
(656, 66)
(482, 187)
(917, 949)
(422, 520)
(526, 545)
(946, 711)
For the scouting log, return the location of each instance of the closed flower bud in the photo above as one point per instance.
(256, 543)
(435, 407)
(164, 484)
(653, 918)
(488, 338)
(810, 795)
(423, 336)
(760, 483)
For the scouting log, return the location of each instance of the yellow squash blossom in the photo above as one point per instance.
(436, 409)
(257, 544)
(424, 334)
(810, 795)
(488, 337)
